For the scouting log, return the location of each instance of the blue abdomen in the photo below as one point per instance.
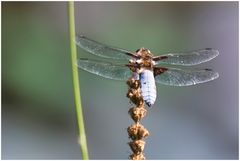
(148, 87)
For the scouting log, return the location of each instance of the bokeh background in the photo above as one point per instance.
(38, 114)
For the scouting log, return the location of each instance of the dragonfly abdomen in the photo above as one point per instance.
(148, 87)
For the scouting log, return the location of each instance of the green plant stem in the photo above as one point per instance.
(76, 86)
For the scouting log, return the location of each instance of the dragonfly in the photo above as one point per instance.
(120, 64)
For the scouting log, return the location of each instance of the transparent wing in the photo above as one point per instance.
(102, 50)
(180, 77)
(107, 70)
(187, 59)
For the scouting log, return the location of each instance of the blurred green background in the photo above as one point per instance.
(38, 114)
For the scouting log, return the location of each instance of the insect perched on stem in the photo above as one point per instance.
(146, 67)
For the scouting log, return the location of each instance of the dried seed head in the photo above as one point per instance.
(137, 113)
(133, 131)
(132, 83)
(135, 96)
(137, 146)
(137, 131)
(137, 157)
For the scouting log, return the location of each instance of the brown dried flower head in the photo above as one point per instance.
(137, 131)
(135, 96)
(137, 146)
(132, 83)
(137, 113)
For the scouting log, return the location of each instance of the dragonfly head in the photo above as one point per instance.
(142, 52)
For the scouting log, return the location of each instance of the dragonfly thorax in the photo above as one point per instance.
(143, 61)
